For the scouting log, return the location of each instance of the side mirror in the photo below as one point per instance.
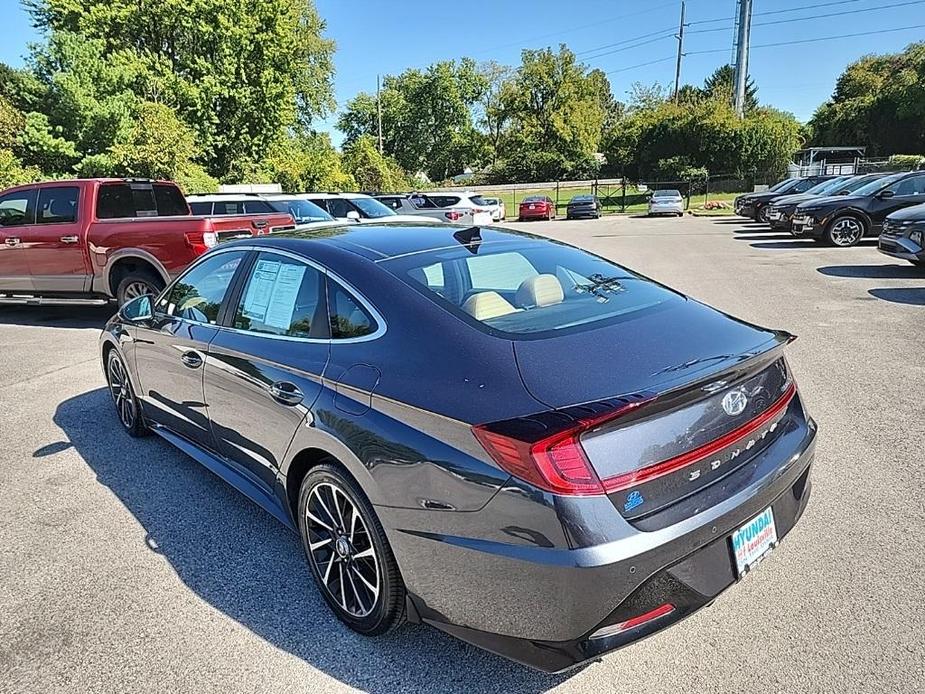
(138, 310)
(886, 194)
(353, 215)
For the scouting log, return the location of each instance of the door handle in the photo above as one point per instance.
(69, 239)
(286, 393)
(191, 359)
(13, 241)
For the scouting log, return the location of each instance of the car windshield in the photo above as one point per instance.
(372, 208)
(826, 186)
(852, 184)
(302, 211)
(875, 185)
(534, 290)
(666, 194)
(781, 185)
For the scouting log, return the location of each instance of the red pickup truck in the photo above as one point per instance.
(106, 238)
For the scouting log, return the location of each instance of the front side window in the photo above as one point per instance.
(57, 205)
(349, 318)
(17, 209)
(283, 296)
(877, 185)
(338, 207)
(303, 211)
(372, 208)
(537, 290)
(914, 185)
(198, 294)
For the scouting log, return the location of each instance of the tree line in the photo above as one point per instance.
(212, 91)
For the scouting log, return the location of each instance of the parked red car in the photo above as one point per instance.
(106, 238)
(537, 207)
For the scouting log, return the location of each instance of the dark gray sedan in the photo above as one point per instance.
(587, 206)
(515, 441)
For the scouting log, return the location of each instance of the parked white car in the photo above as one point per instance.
(230, 204)
(356, 207)
(457, 208)
(496, 207)
(666, 202)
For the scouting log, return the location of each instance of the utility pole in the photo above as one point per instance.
(741, 72)
(379, 112)
(680, 37)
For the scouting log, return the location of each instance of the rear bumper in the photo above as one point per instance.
(575, 212)
(534, 601)
(534, 214)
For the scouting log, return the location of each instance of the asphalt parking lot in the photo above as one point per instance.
(125, 566)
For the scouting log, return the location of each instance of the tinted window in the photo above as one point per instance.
(478, 200)
(372, 208)
(348, 317)
(257, 207)
(803, 185)
(877, 185)
(393, 203)
(229, 207)
(57, 205)
(169, 200)
(17, 208)
(302, 211)
(914, 185)
(201, 207)
(535, 198)
(780, 185)
(537, 290)
(338, 207)
(422, 202)
(444, 200)
(123, 200)
(199, 293)
(281, 297)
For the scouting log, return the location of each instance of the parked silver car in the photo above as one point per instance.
(666, 202)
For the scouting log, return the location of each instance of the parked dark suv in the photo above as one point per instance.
(780, 212)
(846, 219)
(903, 235)
(755, 205)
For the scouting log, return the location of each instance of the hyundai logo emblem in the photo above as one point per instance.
(734, 402)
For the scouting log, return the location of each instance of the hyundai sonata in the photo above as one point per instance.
(518, 442)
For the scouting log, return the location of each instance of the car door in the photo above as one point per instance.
(17, 213)
(264, 366)
(905, 193)
(54, 248)
(170, 350)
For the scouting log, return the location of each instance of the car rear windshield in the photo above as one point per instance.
(534, 290)
(666, 194)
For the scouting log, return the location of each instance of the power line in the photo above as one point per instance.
(627, 48)
(770, 12)
(817, 16)
(667, 31)
(815, 40)
(633, 67)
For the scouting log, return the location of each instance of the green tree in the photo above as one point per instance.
(299, 162)
(721, 85)
(878, 102)
(371, 170)
(12, 171)
(237, 73)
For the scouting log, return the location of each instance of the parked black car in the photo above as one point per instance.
(781, 210)
(583, 206)
(846, 219)
(755, 205)
(903, 235)
(520, 443)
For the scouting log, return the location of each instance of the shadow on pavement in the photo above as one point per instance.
(786, 244)
(240, 560)
(56, 316)
(873, 271)
(913, 296)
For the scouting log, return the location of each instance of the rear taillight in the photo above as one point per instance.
(620, 627)
(200, 242)
(555, 463)
(453, 215)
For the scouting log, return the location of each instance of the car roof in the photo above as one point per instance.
(225, 197)
(380, 242)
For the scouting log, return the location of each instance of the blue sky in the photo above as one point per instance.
(375, 36)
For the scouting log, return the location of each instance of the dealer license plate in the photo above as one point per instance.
(754, 540)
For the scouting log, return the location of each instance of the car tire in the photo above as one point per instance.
(123, 396)
(844, 231)
(348, 552)
(761, 215)
(136, 284)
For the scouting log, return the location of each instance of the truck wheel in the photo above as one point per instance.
(137, 284)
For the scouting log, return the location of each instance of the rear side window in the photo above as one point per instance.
(125, 200)
(444, 200)
(169, 201)
(57, 205)
(282, 297)
(17, 208)
(537, 290)
(201, 207)
(224, 207)
(349, 318)
(198, 294)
